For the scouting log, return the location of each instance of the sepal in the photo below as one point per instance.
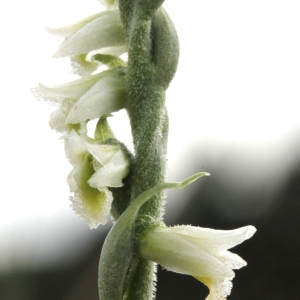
(84, 99)
(99, 31)
(107, 95)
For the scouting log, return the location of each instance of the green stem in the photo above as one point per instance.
(149, 126)
(148, 117)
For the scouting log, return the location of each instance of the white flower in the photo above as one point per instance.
(200, 252)
(84, 99)
(65, 96)
(106, 96)
(95, 168)
(103, 30)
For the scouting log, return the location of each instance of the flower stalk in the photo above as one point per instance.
(108, 178)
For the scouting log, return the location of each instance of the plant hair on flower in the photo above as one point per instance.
(125, 57)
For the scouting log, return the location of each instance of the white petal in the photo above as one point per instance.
(182, 256)
(93, 213)
(58, 117)
(75, 147)
(102, 153)
(215, 240)
(71, 29)
(106, 96)
(219, 288)
(72, 181)
(231, 260)
(104, 31)
(112, 173)
(198, 252)
(74, 89)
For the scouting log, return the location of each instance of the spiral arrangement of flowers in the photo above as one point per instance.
(109, 179)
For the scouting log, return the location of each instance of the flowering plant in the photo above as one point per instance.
(108, 178)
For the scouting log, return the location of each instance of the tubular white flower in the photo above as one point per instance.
(200, 252)
(96, 32)
(89, 180)
(65, 96)
(84, 99)
(106, 96)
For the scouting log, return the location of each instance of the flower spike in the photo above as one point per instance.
(106, 177)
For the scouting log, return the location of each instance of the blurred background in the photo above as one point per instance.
(234, 112)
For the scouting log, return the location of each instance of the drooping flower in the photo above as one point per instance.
(95, 169)
(200, 252)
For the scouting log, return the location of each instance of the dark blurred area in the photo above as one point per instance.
(273, 270)
(272, 254)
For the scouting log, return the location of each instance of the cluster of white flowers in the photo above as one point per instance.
(101, 163)
(94, 41)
